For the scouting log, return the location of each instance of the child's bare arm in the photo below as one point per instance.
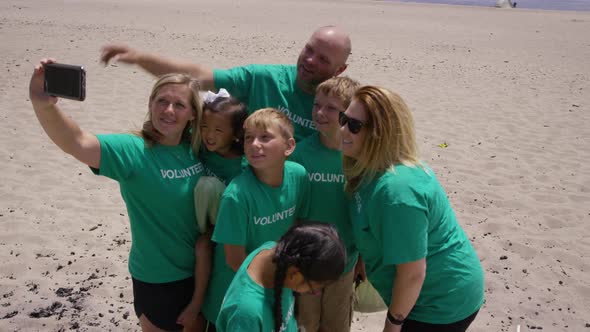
(234, 255)
(203, 254)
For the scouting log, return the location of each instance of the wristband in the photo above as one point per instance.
(393, 320)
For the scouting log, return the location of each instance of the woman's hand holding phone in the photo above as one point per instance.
(36, 86)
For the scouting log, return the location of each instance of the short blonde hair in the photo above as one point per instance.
(192, 131)
(389, 138)
(341, 87)
(270, 118)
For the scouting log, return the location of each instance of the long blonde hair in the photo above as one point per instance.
(192, 131)
(389, 137)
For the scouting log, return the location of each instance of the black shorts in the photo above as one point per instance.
(460, 326)
(162, 303)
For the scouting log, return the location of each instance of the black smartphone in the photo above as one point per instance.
(66, 81)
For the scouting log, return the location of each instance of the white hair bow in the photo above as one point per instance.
(210, 96)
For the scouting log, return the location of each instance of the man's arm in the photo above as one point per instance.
(157, 65)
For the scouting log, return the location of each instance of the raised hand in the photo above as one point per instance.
(118, 53)
(36, 91)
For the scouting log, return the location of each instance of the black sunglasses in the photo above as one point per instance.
(354, 125)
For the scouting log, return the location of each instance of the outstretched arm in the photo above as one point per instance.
(62, 130)
(157, 65)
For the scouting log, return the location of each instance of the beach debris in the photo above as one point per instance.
(94, 227)
(63, 292)
(33, 287)
(10, 314)
(46, 312)
(443, 145)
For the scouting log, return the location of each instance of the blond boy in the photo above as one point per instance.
(320, 155)
(259, 205)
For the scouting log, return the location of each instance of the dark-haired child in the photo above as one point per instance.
(260, 204)
(260, 298)
(222, 135)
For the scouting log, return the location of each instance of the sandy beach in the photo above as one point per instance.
(501, 99)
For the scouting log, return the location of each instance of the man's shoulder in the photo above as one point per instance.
(261, 69)
(276, 73)
(272, 67)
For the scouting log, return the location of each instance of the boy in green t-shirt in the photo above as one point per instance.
(321, 156)
(260, 204)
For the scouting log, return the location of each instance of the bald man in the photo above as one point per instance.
(288, 88)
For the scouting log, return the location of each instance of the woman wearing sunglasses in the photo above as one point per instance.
(403, 221)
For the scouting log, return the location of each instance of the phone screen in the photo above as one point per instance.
(64, 81)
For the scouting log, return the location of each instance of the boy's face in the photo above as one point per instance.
(325, 114)
(266, 148)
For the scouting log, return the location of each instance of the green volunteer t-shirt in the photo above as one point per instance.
(225, 169)
(249, 307)
(404, 216)
(261, 86)
(328, 202)
(250, 214)
(157, 186)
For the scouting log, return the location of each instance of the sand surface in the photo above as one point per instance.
(507, 90)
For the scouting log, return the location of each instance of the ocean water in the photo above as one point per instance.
(576, 5)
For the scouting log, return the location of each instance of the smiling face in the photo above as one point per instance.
(170, 112)
(323, 56)
(325, 114)
(352, 143)
(217, 132)
(266, 148)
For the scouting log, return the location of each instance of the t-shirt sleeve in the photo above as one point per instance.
(232, 222)
(243, 320)
(119, 155)
(237, 81)
(404, 233)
